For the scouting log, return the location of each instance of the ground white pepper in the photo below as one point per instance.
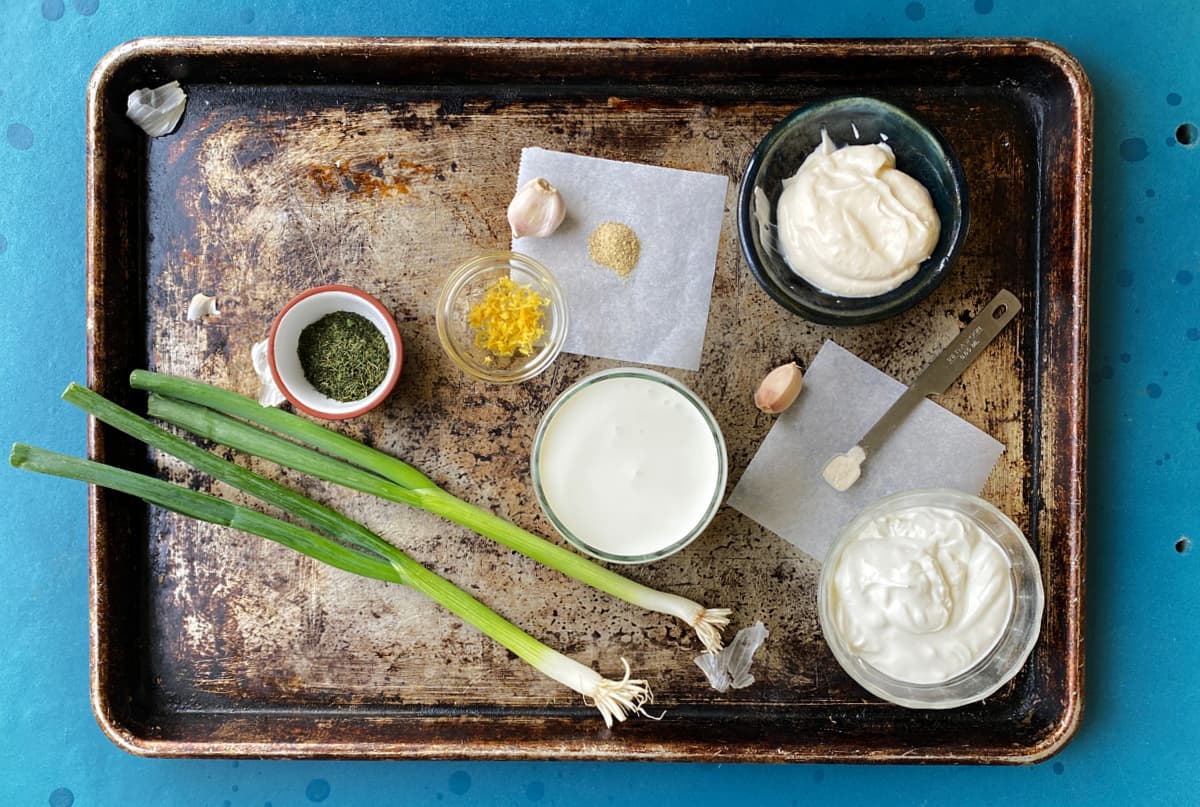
(615, 246)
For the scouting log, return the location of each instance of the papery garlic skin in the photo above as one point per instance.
(157, 111)
(202, 306)
(779, 389)
(731, 666)
(536, 210)
(268, 393)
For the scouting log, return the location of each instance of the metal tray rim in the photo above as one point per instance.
(1074, 399)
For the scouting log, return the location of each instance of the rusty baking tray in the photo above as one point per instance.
(386, 163)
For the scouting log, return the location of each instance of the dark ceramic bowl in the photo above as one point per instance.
(921, 152)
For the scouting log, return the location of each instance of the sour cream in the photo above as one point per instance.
(629, 466)
(852, 224)
(921, 594)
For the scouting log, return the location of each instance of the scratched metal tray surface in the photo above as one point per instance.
(385, 164)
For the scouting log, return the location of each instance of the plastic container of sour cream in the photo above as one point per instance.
(629, 465)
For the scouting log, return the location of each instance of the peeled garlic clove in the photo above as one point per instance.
(536, 210)
(779, 389)
(202, 306)
(157, 110)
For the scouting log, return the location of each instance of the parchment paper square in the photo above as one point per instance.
(656, 315)
(842, 397)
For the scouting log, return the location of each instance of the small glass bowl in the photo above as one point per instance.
(921, 152)
(284, 361)
(467, 285)
(704, 412)
(1011, 650)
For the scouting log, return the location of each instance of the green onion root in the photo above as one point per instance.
(614, 699)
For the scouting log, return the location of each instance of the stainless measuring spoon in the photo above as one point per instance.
(843, 470)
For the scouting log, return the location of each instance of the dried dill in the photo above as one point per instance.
(344, 356)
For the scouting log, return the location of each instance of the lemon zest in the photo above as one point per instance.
(509, 319)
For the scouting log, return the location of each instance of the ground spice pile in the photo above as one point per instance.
(343, 356)
(615, 246)
(509, 319)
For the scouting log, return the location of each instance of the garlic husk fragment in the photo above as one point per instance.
(731, 667)
(268, 392)
(202, 306)
(536, 210)
(157, 111)
(779, 389)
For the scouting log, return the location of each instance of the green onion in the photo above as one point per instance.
(265, 489)
(203, 507)
(387, 477)
(614, 699)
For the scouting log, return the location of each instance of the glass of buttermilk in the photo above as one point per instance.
(629, 465)
(931, 599)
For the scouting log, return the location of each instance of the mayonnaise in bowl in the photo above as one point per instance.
(851, 223)
(840, 289)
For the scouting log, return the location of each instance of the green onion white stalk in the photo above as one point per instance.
(210, 412)
(614, 699)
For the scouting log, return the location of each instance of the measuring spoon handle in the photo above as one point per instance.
(947, 367)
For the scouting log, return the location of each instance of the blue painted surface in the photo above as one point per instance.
(1141, 729)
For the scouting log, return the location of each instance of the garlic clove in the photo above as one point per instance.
(536, 210)
(202, 306)
(779, 389)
